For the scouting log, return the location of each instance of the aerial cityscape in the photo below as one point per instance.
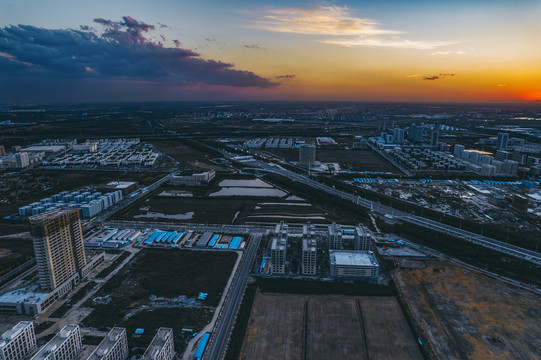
(270, 180)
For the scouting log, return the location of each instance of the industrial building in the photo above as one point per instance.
(125, 186)
(161, 347)
(113, 347)
(353, 264)
(58, 246)
(193, 179)
(279, 249)
(90, 204)
(309, 250)
(19, 342)
(66, 345)
(307, 155)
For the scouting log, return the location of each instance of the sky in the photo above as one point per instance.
(176, 50)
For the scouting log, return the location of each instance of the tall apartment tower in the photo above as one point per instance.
(279, 249)
(363, 238)
(65, 345)
(309, 250)
(21, 159)
(58, 245)
(503, 139)
(398, 135)
(307, 155)
(335, 237)
(435, 136)
(161, 347)
(19, 342)
(113, 347)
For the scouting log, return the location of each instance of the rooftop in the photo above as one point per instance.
(10, 334)
(352, 258)
(56, 341)
(107, 343)
(120, 184)
(28, 294)
(158, 342)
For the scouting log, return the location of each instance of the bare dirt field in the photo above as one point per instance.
(468, 315)
(288, 326)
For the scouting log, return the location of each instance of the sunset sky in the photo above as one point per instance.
(134, 50)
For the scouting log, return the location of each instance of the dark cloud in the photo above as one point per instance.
(437, 77)
(121, 52)
(163, 26)
(86, 28)
(253, 46)
(285, 77)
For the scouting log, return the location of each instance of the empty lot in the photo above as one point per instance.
(469, 315)
(286, 326)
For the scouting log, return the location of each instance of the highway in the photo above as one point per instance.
(219, 339)
(384, 210)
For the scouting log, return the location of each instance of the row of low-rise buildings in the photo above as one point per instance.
(89, 203)
(270, 143)
(19, 343)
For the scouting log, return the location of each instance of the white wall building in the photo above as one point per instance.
(66, 345)
(161, 347)
(113, 347)
(19, 342)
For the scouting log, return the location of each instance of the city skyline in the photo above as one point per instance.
(304, 50)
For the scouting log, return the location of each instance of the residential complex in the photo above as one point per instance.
(113, 347)
(19, 342)
(161, 347)
(66, 345)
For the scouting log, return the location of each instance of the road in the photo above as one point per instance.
(217, 345)
(384, 210)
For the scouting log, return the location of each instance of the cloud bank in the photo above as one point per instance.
(335, 25)
(122, 52)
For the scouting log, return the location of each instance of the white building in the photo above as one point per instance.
(22, 160)
(363, 238)
(335, 237)
(66, 345)
(307, 155)
(309, 251)
(19, 342)
(161, 347)
(353, 264)
(113, 347)
(279, 249)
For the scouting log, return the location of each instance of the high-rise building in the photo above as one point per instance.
(415, 133)
(435, 136)
(309, 250)
(19, 342)
(58, 246)
(279, 249)
(398, 135)
(363, 238)
(502, 155)
(503, 139)
(113, 347)
(335, 237)
(21, 159)
(307, 155)
(459, 150)
(66, 345)
(2, 150)
(161, 347)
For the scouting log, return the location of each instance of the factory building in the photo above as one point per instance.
(66, 345)
(353, 264)
(58, 245)
(307, 155)
(19, 342)
(113, 347)
(334, 238)
(125, 187)
(200, 179)
(279, 249)
(161, 347)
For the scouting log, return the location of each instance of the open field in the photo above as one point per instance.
(289, 326)
(14, 252)
(227, 204)
(358, 160)
(147, 292)
(189, 157)
(467, 314)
